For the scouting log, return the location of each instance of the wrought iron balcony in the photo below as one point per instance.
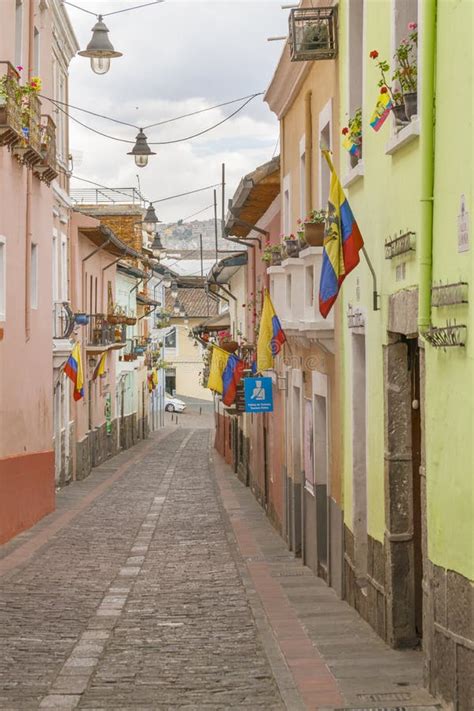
(63, 320)
(313, 33)
(28, 150)
(10, 105)
(104, 335)
(46, 169)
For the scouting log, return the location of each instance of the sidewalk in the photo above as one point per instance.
(335, 658)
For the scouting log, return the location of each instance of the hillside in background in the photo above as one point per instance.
(185, 235)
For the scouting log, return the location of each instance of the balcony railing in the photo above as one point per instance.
(10, 105)
(106, 196)
(47, 169)
(102, 334)
(63, 320)
(28, 150)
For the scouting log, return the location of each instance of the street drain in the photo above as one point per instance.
(383, 708)
(391, 696)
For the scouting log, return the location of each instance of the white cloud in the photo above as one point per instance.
(178, 57)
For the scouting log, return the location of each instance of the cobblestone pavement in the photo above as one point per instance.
(137, 603)
(159, 584)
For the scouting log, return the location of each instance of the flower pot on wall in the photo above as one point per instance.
(229, 346)
(411, 104)
(314, 234)
(81, 319)
(400, 114)
(275, 260)
(292, 247)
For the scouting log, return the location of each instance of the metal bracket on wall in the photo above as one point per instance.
(375, 294)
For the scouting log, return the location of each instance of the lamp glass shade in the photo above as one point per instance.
(100, 65)
(176, 307)
(141, 161)
(174, 290)
(150, 220)
(167, 282)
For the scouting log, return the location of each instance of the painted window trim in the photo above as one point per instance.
(348, 78)
(3, 314)
(408, 134)
(393, 128)
(325, 119)
(320, 387)
(286, 219)
(302, 168)
(355, 174)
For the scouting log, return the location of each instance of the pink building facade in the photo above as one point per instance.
(28, 166)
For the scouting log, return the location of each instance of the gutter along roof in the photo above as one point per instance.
(131, 271)
(224, 270)
(253, 197)
(103, 236)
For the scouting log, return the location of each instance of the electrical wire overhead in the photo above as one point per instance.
(151, 125)
(155, 143)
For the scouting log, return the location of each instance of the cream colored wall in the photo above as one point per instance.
(188, 362)
(322, 81)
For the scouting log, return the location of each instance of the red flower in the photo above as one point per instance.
(374, 54)
(383, 90)
(345, 131)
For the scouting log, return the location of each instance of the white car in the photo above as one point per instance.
(173, 404)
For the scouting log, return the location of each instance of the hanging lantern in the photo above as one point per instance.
(100, 50)
(150, 220)
(167, 281)
(157, 247)
(141, 150)
(174, 289)
(176, 307)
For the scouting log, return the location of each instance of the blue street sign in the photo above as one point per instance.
(258, 395)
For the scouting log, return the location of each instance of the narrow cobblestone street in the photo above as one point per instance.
(158, 583)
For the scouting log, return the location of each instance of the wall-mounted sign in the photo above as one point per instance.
(258, 395)
(463, 227)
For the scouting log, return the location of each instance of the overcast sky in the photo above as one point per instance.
(179, 56)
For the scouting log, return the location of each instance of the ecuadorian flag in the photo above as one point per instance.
(342, 243)
(271, 336)
(73, 370)
(225, 374)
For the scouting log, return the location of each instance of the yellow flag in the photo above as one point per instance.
(219, 360)
(270, 335)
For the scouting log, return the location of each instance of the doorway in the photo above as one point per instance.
(405, 526)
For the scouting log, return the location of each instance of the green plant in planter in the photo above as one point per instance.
(406, 73)
(353, 134)
(271, 253)
(316, 216)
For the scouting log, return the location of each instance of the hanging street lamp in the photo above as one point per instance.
(182, 312)
(150, 220)
(100, 50)
(141, 150)
(176, 307)
(174, 289)
(157, 247)
(167, 281)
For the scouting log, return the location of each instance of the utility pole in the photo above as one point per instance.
(223, 200)
(200, 251)
(215, 226)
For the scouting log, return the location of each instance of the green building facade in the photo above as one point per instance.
(407, 353)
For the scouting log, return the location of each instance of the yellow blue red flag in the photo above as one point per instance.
(381, 112)
(225, 374)
(271, 336)
(99, 371)
(73, 370)
(342, 243)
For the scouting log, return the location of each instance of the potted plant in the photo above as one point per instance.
(81, 318)
(226, 342)
(272, 254)
(131, 320)
(292, 244)
(353, 135)
(406, 73)
(313, 228)
(397, 97)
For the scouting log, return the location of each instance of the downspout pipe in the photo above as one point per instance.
(427, 147)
